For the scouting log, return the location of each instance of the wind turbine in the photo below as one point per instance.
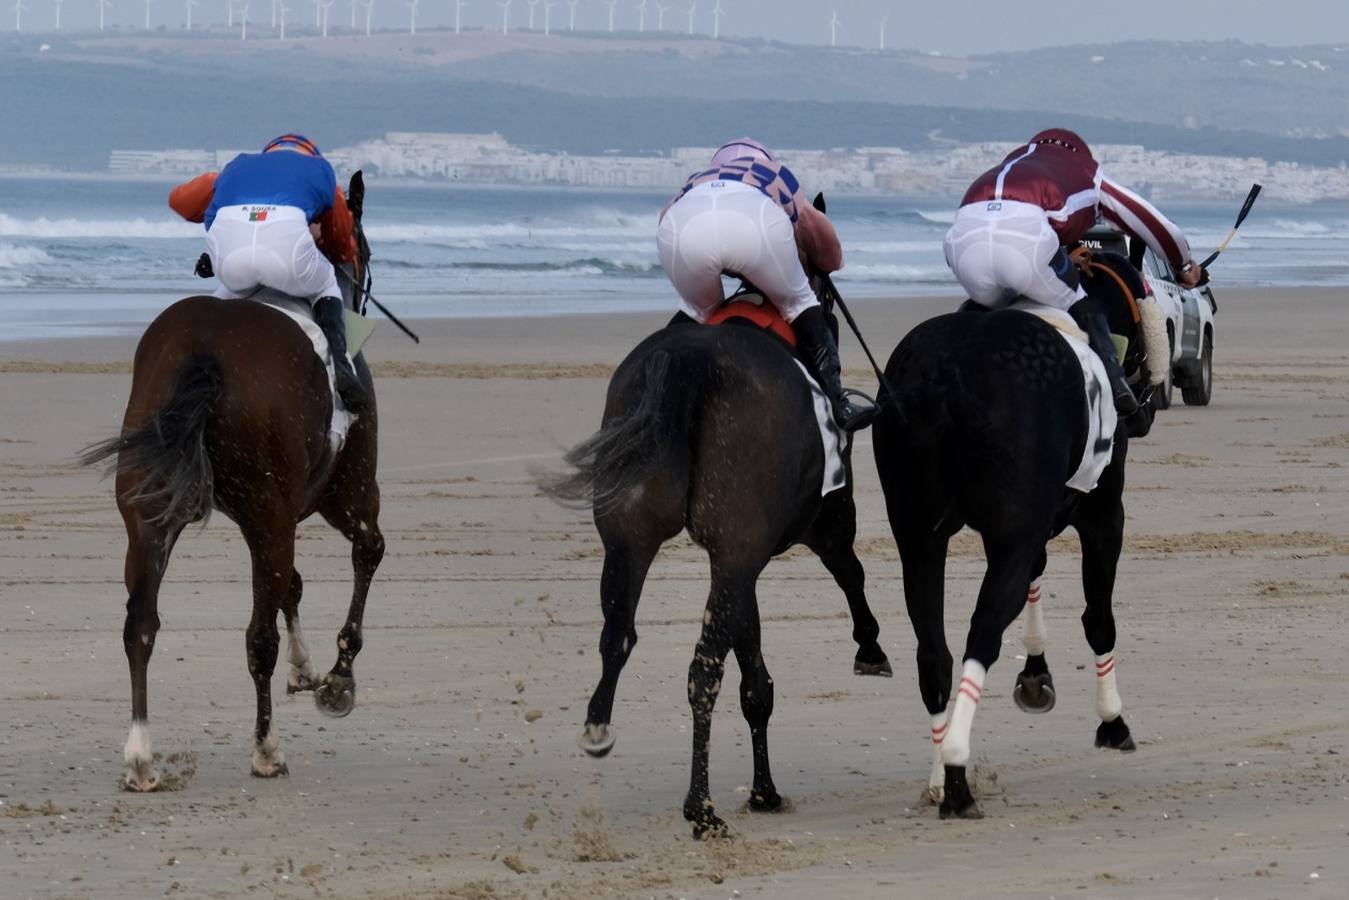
(318, 14)
(103, 5)
(884, 20)
(613, 6)
(19, 10)
(717, 13)
(533, 7)
(243, 22)
(412, 21)
(187, 8)
(229, 13)
(641, 17)
(57, 4)
(548, 16)
(281, 10)
(693, 11)
(506, 17)
(326, 6)
(369, 8)
(834, 23)
(459, 14)
(661, 10)
(147, 14)
(571, 14)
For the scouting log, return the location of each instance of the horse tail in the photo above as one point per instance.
(168, 452)
(629, 447)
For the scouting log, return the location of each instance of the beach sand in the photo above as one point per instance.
(458, 774)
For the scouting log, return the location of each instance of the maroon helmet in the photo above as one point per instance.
(1062, 137)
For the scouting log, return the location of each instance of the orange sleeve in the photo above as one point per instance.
(191, 199)
(337, 231)
(817, 239)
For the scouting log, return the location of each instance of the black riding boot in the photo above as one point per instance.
(821, 353)
(1094, 323)
(328, 316)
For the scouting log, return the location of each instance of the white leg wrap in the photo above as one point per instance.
(267, 756)
(955, 747)
(936, 780)
(137, 750)
(1035, 622)
(1108, 703)
(297, 654)
(1155, 342)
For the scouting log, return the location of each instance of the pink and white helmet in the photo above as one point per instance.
(742, 148)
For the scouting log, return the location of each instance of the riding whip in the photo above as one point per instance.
(379, 306)
(1241, 217)
(836, 297)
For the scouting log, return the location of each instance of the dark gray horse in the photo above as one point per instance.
(713, 430)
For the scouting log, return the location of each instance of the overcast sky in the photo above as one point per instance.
(950, 26)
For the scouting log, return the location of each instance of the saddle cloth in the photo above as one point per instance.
(1100, 406)
(298, 312)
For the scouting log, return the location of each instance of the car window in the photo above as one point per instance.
(1159, 267)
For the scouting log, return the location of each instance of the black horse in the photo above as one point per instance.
(711, 429)
(983, 423)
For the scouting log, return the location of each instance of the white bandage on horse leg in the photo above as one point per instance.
(936, 780)
(955, 746)
(1108, 703)
(1035, 622)
(1155, 342)
(297, 654)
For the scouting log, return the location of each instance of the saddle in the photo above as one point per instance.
(748, 305)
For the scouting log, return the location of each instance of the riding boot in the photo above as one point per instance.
(1094, 323)
(328, 317)
(821, 353)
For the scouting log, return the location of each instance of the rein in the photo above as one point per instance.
(832, 296)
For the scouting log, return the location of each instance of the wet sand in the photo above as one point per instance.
(458, 774)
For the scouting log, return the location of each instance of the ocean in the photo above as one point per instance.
(87, 256)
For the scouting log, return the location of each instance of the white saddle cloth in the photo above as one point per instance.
(341, 421)
(1100, 405)
(831, 436)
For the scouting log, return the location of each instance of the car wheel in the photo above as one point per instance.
(1167, 387)
(1199, 390)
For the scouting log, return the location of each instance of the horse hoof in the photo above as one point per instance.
(881, 669)
(950, 811)
(933, 795)
(302, 683)
(270, 768)
(769, 801)
(710, 827)
(596, 740)
(141, 779)
(335, 697)
(1115, 735)
(1034, 694)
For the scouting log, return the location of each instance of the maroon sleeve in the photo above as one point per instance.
(1141, 219)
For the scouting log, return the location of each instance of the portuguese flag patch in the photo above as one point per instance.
(257, 215)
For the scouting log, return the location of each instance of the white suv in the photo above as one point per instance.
(1189, 318)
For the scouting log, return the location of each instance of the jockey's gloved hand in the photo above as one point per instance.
(203, 268)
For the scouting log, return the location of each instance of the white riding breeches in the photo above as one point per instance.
(1003, 249)
(726, 226)
(257, 246)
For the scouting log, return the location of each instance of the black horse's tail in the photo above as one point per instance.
(616, 459)
(168, 452)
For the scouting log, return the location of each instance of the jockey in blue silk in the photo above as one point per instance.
(277, 219)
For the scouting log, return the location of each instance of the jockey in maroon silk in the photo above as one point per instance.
(1009, 235)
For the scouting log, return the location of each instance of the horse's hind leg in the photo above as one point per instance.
(147, 556)
(1011, 561)
(1100, 526)
(273, 552)
(300, 675)
(626, 563)
(756, 702)
(831, 538)
(356, 515)
(724, 620)
(924, 562)
(1034, 691)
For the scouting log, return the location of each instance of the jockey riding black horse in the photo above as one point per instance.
(984, 420)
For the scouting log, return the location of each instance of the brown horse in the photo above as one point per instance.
(230, 409)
